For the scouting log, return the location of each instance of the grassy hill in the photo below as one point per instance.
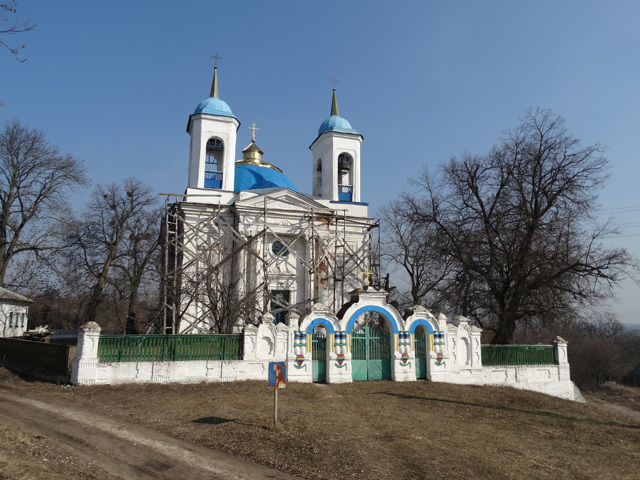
(384, 430)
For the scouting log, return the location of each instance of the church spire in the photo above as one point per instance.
(214, 83)
(334, 100)
(334, 104)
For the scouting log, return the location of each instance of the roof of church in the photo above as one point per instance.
(251, 176)
(335, 123)
(213, 105)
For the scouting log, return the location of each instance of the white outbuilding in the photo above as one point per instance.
(14, 313)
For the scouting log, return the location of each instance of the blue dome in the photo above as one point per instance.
(214, 106)
(253, 177)
(336, 123)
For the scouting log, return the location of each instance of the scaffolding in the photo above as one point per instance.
(341, 253)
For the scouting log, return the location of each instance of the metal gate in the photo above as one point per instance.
(420, 341)
(370, 353)
(319, 355)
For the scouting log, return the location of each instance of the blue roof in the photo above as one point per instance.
(336, 123)
(214, 106)
(252, 177)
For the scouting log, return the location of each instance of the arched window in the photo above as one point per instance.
(345, 177)
(213, 163)
(318, 179)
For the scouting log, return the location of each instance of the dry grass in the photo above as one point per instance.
(619, 395)
(379, 430)
(26, 456)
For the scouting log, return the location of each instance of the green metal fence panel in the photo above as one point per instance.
(420, 342)
(370, 354)
(319, 354)
(379, 365)
(168, 348)
(509, 355)
(359, 354)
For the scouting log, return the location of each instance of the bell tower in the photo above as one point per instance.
(213, 130)
(336, 158)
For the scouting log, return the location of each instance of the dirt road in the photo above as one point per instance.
(124, 450)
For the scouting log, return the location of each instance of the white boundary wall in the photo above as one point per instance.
(454, 358)
(263, 344)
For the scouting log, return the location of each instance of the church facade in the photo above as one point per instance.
(243, 242)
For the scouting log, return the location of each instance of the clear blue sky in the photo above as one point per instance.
(114, 83)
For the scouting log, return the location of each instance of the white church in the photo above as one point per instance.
(243, 241)
(295, 277)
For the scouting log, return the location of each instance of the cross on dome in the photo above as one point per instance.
(253, 131)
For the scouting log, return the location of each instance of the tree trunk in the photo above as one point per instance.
(131, 314)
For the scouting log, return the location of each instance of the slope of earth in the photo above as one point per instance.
(373, 430)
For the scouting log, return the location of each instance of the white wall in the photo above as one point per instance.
(455, 360)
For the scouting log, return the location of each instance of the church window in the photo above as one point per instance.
(278, 248)
(345, 173)
(318, 179)
(279, 302)
(213, 163)
(10, 319)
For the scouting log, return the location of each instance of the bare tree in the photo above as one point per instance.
(214, 289)
(518, 225)
(135, 266)
(12, 28)
(110, 219)
(415, 248)
(35, 179)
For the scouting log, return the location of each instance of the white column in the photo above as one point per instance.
(85, 364)
(561, 358)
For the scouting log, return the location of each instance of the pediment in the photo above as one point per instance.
(281, 199)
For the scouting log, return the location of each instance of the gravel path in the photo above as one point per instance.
(124, 450)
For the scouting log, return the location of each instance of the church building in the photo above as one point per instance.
(243, 241)
(295, 276)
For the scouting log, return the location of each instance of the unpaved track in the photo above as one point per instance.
(124, 450)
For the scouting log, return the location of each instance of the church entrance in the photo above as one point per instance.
(421, 341)
(319, 355)
(371, 352)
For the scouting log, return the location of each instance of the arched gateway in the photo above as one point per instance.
(367, 339)
(373, 329)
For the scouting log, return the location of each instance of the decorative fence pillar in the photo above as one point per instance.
(339, 359)
(561, 358)
(85, 364)
(250, 345)
(299, 359)
(404, 367)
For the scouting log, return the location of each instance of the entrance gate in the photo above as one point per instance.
(319, 355)
(420, 340)
(370, 353)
